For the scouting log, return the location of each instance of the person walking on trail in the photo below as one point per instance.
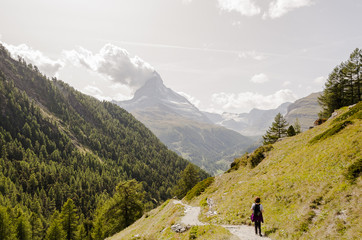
(257, 215)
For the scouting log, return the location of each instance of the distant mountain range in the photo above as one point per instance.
(184, 128)
(209, 140)
(256, 122)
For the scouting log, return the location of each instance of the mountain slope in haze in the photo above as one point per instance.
(185, 129)
(254, 123)
(257, 122)
(305, 109)
(57, 143)
(310, 187)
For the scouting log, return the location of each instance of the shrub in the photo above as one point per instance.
(252, 159)
(355, 111)
(354, 170)
(330, 132)
(199, 188)
(193, 232)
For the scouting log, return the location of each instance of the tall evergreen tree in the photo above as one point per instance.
(291, 131)
(55, 230)
(23, 229)
(343, 86)
(69, 219)
(36, 227)
(189, 178)
(277, 130)
(124, 208)
(5, 226)
(297, 126)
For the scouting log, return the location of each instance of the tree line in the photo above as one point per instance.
(61, 150)
(343, 86)
(279, 129)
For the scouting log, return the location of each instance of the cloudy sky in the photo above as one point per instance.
(224, 55)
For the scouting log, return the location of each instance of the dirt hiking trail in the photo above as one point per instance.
(242, 232)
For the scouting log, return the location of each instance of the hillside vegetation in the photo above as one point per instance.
(310, 186)
(209, 146)
(58, 144)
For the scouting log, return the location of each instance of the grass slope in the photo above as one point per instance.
(302, 184)
(155, 225)
(310, 188)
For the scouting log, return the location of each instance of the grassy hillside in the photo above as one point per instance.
(310, 185)
(155, 225)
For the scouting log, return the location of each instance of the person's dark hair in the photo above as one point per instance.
(257, 200)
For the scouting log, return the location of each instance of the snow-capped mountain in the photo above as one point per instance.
(155, 94)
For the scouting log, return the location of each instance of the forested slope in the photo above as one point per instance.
(57, 143)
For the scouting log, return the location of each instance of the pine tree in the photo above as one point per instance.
(55, 230)
(124, 208)
(5, 226)
(81, 234)
(36, 227)
(69, 219)
(276, 130)
(97, 232)
(343, 86)
(189, 178)
(297, 126)
(291, 132)
(23, 229)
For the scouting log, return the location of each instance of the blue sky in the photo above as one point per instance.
(224, 55)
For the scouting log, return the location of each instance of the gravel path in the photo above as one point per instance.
(191, 217)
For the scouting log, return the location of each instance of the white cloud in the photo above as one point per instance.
(46, 65)
(95, 92)
(244, 7)
(244, 102)
(92, 90)
(115, 63)
(278, 8)
(191, 99)
(259, 78)
(320, 80)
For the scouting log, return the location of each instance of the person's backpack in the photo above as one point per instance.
(257, 211)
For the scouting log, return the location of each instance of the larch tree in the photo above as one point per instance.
(124, 208)
(23, 229)
(189, 178)
(69, 219)
(5, 226)
(277, 130)
(343, 86)
(55, 230)
(297, 126)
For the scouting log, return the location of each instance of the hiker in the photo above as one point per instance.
(257, 215)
